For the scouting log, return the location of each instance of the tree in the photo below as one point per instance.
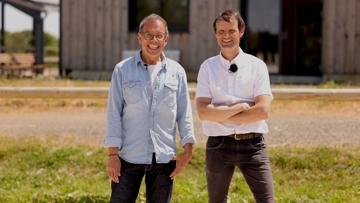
(24, 39)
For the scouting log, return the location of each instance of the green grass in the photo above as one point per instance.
(329, 84)
(46, 170)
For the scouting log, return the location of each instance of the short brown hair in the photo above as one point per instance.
(227, 16)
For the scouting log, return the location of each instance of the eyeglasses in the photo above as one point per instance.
(233, 68)
(149, 36)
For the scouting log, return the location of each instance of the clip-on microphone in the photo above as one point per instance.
(146, 66)
(233, 68)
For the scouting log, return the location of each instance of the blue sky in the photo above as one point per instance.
(16, 20)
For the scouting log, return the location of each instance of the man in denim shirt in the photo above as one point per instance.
(148, 98)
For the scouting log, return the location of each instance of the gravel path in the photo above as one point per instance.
(300, 129)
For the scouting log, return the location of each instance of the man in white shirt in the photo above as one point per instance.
(233, 99)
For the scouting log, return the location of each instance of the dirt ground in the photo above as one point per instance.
(291, 123)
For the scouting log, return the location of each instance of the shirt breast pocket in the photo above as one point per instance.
(132, 92)
(170, 90)
(244, 86)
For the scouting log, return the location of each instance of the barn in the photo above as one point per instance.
(304, 41)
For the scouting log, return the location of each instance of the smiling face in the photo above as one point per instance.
(228, 36)
(152, 48)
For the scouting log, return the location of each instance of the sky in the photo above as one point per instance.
(15, 21)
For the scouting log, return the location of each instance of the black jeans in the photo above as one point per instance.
(158, 183)
(250, 156)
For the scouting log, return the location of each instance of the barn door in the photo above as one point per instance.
(301, 37)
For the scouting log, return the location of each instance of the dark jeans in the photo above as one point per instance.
(158, 183)
(250, 156)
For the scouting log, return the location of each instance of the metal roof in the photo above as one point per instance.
(49, 5)
(56, 2)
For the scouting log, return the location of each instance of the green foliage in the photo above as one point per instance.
(50, 40)
(46, 172)
(17, 39)
(25, 39)
(316, 174)
(329, 84)
(34, 170)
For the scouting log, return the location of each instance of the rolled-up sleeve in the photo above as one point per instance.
(114, 110)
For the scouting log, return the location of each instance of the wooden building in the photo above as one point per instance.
(341, 40)
(294, 37)
(35, 10)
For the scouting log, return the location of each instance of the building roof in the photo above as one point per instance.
(49, 5)
(30, 6)
(56, 2)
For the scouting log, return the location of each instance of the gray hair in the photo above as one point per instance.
(154, 17)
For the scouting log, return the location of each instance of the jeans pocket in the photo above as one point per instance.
(214, 142)
(132, 92)
(257, 143)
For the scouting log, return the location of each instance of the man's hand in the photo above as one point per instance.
(245, 105)
(182, 160)
(219, 113)
(257, 112)
(114, 164)
(113, 167)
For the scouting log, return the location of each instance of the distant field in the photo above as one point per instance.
(64, 168)
(7, 105)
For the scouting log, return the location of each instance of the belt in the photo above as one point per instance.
(245, 136)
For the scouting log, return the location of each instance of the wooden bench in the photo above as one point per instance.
(27, 61)
(5, 60)
(19, 63)
(172, 54)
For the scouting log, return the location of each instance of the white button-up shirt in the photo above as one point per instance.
(225, 88)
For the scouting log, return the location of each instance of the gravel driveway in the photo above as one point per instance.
(291, 128)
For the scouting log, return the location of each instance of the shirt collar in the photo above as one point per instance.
(138, 60)
(237, 60)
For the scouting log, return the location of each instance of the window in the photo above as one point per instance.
(262, 30)
(175, 12)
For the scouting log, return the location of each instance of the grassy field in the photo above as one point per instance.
(52, 169)
(47, 170)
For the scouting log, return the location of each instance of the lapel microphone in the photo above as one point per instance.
(233, 68)
(146, 66)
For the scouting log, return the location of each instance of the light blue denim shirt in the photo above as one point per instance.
(139, 120)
